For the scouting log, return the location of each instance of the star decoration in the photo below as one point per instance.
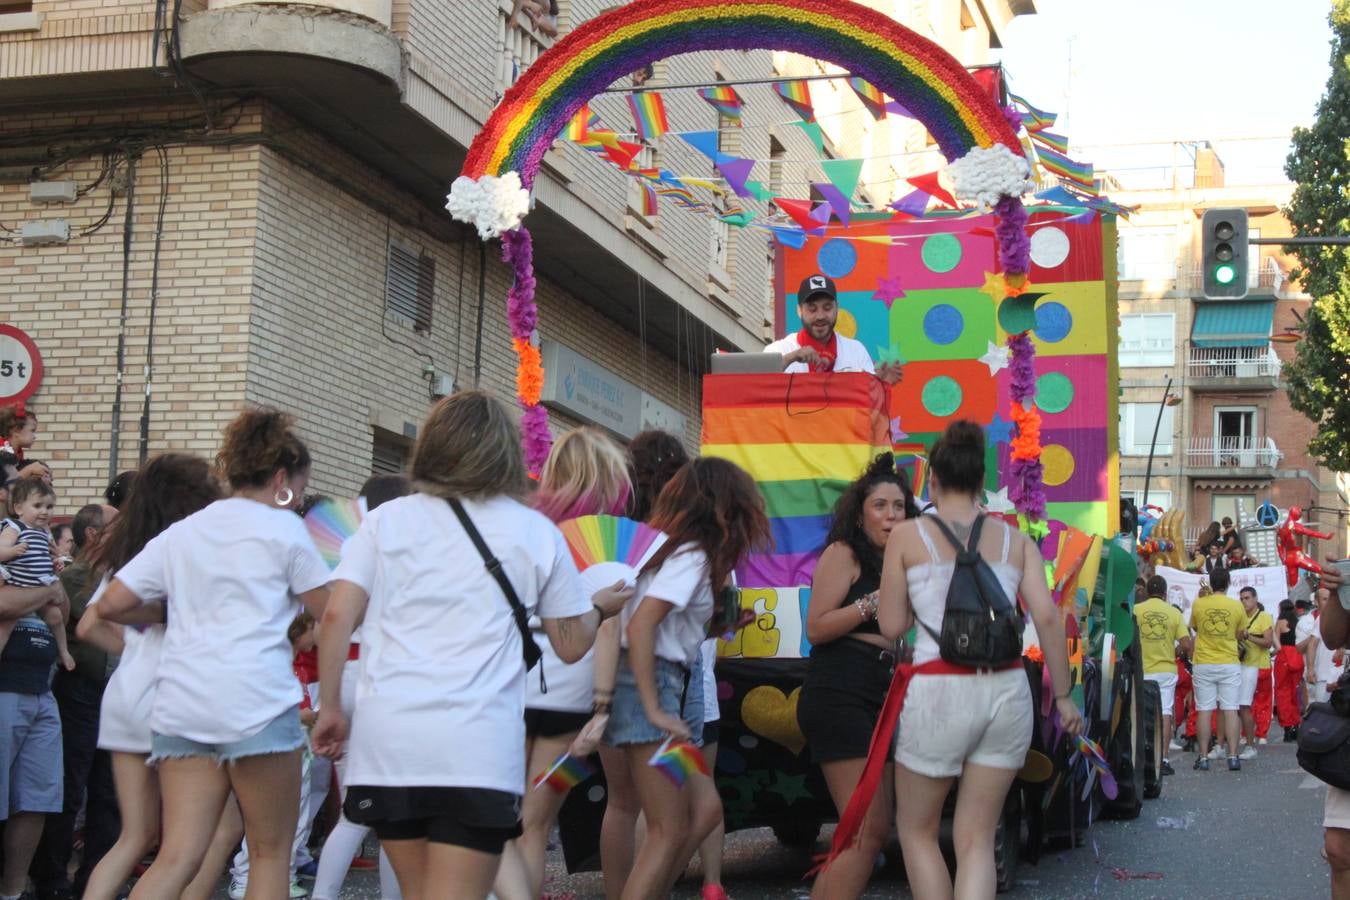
(999, 430)
(790, 788)
(890, 354)
(898, 434)
(888, 290)
(998, 501)
(995, 357)
(994, 287)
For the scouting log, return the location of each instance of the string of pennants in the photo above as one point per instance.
(1077, 186)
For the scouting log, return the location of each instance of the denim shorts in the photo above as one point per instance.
(281, 735)
(628, 722)
(692, 710)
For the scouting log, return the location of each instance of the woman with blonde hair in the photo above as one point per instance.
(441, 583)
(586, 474)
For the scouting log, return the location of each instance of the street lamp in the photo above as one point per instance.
(1168, 399)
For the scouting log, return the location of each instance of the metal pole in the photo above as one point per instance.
(1329, 240)
(1148, 470)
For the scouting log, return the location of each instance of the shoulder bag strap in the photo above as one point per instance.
(494, 568)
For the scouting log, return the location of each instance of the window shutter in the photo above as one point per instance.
(409, 287)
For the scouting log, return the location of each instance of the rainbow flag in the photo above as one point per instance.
(1082, 174)
(797, 94)
(677, 760)
(802, 440)
(649, 114)
(578, 127)
(1033, 119)
(566, 773)
(725, 100)
(1056, 142)
(649, 202)
(870, 95)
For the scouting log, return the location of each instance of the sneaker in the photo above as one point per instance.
(238, 889)
(1202, 764)
(1215, 753)
(1234, 764)
(1173, 745)
(297, 891)
(714, 892)
(1167, 768)
(1248, 752)
(1261, 741)
(1291, 734)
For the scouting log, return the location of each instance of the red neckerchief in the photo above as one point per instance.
(828, 352)
(306, 666)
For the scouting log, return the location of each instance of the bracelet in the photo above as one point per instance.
(862, 607)
(600, 706)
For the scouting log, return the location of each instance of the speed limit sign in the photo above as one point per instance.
(20, 366)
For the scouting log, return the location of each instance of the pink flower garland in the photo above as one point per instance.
(523, 316)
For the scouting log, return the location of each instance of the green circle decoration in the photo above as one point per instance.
(1017, 314)
(942, 396)
(941, 252)
(1054, 392)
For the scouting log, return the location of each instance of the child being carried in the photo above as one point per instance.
(29, 557)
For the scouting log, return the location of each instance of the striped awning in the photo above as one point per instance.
(1233, 323)
(1230, 485)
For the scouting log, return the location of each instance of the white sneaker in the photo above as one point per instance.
(297, 891)
(1217, 752)
(1261, 741)
(238, 889)
(1173, 745)
(1247, 753)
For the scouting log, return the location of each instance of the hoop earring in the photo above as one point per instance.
(283, 497)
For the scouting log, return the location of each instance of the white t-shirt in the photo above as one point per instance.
(571, 687)
(852, 355)
(124, 716)
(228, 575)
(440, 696)
(1307, 625)
(711, 711)
(682, 581)
(1326, 670)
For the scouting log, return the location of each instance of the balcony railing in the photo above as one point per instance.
(1268, 278)
(1232, 362)
(518, 46)
(1232, 453)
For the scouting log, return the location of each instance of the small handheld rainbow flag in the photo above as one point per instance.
(725, 100)
(797, 94)
(330, 523)
(677, 760)
(566, 773)
(870, 95)
(649, 114)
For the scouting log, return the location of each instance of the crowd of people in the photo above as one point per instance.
(1220, 547)
(218, 677)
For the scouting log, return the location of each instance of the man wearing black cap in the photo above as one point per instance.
(817, 348)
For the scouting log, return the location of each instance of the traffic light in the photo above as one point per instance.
(1224, 253)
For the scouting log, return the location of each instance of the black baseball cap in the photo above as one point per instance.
(816, 285)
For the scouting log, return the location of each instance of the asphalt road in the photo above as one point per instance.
(1253, 834)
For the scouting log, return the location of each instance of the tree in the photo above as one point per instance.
(1319, 165)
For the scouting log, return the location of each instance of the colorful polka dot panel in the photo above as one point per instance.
(929, 292)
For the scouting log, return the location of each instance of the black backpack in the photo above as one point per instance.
(981, 627)
(1324, 739)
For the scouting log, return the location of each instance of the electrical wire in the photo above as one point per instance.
(154, 304)
(127, 229)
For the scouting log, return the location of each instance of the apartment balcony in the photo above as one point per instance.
(1231, 457)
(1211, 369)
(1267, 281)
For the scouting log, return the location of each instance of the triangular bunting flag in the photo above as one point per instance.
(798, 210)
(871, 97)
(814, 133)
(929, 185)
(837, 200)
(843, 174)
(622, 155)
(914, 203)
(792, 238)
(736, 170)
(797, 94)
(821, 213)
(704, 142)
(760, 192)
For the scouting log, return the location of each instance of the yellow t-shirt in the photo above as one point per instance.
(1160, 628)
(1215, 619)
(1257, 657)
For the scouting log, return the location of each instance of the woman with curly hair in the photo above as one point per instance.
(225, 713)
(851, 662)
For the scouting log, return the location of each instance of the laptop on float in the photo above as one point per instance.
(747, 363)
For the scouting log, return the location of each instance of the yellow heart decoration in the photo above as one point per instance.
(769, 714)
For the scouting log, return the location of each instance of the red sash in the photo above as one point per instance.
(828, 352)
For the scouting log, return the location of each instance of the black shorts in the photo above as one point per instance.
(711, 732)
(553, 723)
(473, 818)
(846, 683)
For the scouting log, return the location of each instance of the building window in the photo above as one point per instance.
(1158, 498)
(389, 454)
(1147, 339)
(1136, 429)
(777, 152)
(1238, 507)
(1148, 253)
(15, 6)
(409, 285)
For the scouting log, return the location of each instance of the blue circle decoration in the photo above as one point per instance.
(1268, 516)
(943, 324)
(837, 257)
(1053, 322)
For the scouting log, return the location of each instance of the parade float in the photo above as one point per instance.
(999, 314)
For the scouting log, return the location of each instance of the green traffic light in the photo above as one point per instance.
(1224, 274)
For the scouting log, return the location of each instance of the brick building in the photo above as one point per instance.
(1232, 441)
(257, 216)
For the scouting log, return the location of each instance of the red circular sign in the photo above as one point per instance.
(20, 366)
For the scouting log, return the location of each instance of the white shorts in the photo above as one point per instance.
(949, 720)
(1167, 687)
(1216, 685)
(1250, 677)
(1337, 811)
(1319, 692)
